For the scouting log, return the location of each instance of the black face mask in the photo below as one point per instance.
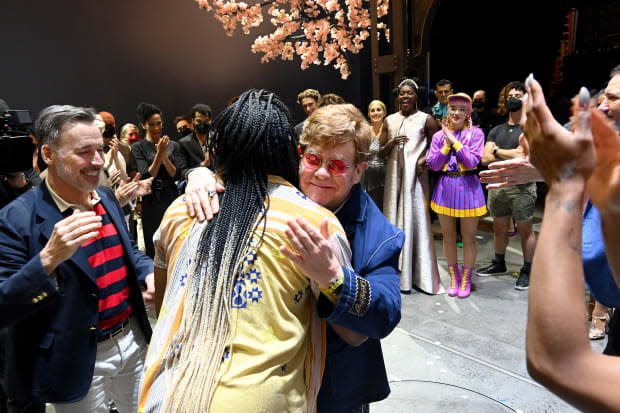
(184, 131)
(201, 128)
(514, 104)
(477, 104)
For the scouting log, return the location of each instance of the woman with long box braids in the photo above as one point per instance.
(237, 328)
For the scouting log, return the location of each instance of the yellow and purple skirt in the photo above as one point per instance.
(459, 196)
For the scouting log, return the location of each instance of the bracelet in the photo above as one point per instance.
(335, 287)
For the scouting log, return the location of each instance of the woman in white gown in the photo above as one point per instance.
(406, 194)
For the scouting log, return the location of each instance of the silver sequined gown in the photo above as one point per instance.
(373, 180)
(405, 204)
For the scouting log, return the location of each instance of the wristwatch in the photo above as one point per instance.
(495, 152)
(335, 287)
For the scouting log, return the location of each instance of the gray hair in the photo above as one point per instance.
(52, 119)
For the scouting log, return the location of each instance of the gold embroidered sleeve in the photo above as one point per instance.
(362, 298)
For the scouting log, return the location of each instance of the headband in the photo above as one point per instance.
(406, 81)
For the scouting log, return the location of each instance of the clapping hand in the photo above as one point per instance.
(604, 184)
(115, 178)
(113, 144)
(558, 154)
(130, 189)
(162, 147)
(447, 133)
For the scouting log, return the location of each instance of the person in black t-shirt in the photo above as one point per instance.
(516, 201)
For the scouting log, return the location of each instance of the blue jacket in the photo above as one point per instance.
(369, 304)
(52, 345)
(596, 269)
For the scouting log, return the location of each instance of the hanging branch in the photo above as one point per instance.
(318, 31)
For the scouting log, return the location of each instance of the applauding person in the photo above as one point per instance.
(456, 151)
(558, 350)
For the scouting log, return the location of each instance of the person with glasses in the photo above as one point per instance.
(455, 152)
(238, 329)
(335, 144)
(363, 300)
(405, 201)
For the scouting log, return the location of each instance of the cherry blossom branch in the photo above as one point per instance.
(318, 31)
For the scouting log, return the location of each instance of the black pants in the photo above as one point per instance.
(613, 337)
(15, 406)
(153, 208)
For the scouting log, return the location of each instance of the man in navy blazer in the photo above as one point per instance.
(70, 280)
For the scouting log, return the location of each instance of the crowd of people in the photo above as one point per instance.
(275, 254)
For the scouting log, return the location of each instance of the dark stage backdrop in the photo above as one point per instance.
(113, 54)
(488, 43)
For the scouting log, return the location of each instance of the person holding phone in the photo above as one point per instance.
(406, 190)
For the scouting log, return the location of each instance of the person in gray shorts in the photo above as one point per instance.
(516, 201)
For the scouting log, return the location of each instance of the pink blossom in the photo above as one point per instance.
(318, 31)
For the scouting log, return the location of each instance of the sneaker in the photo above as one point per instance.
(493, 269)
(523, 282)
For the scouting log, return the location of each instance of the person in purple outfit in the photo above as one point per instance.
(455, 152)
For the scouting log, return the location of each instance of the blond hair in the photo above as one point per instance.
(377, 102)
(338, 124)
(309, 93)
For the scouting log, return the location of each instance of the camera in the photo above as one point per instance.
(16, 146)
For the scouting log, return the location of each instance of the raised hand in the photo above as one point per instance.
(162, 147)
(604, 184)
(115, 178)
(113, 147)
(144, 185)
(557, 153)
(447, 133)
(126, 191)
(67, 236)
